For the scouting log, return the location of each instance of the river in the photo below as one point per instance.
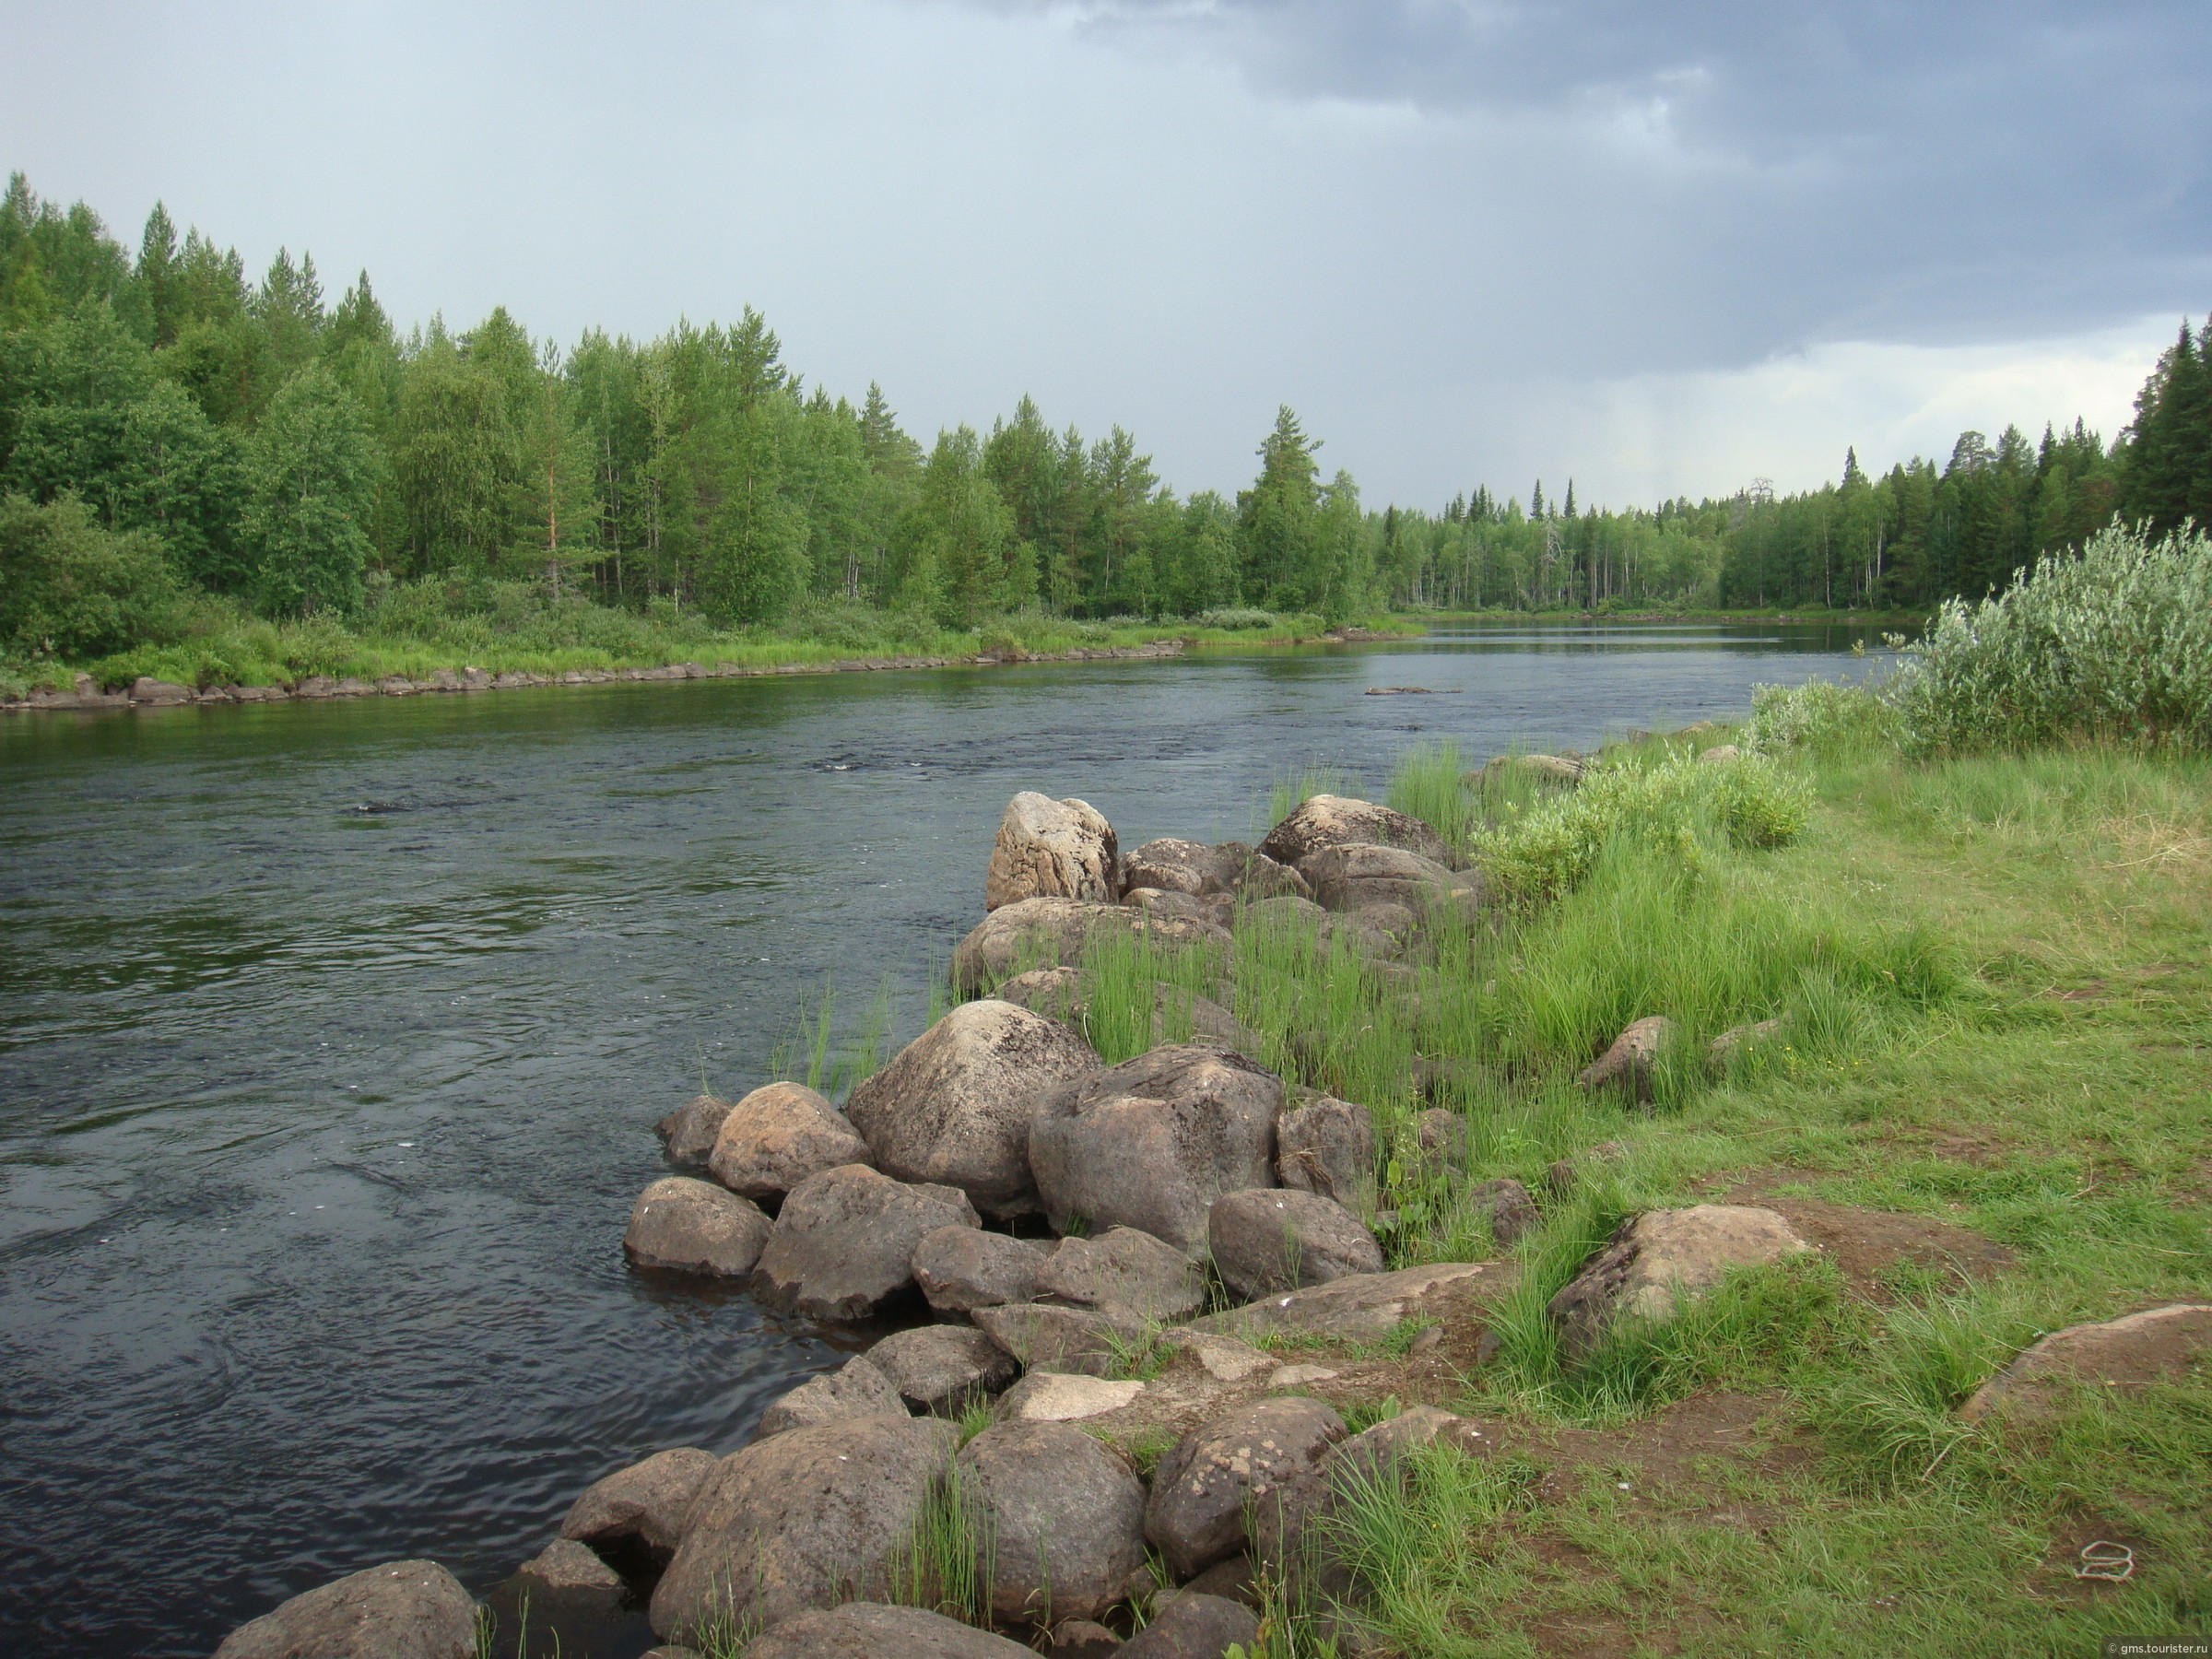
(333, 1033)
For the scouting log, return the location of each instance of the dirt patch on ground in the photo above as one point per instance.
(1865, 1244)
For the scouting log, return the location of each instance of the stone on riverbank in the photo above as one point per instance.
(856, 1389)
(954, 1106)
(941, 1368)
(1632, 1060)
(962, 1269)
(879, 1631)
(570, 1570)
(1045, 1337)
(1297, 1538)
(1126, 1269)
(1063, 994)
(1269, 1240)
(844, 1243)
(1328, 1145)
(1507, 1209)
(1355, 874)
(1046, 1396)
(1188, 1626)
(646, 1502)
(802, 1521)
(779, 1134)
(1048, 932)
(688, 1133)
(690, 1226)
(1152, 1142)
(1203, 1490)
(1660, 1256)
(1325, 820)
(1066, 1515)
(400, 1610)
(1363, 1307)
(1176, 866)
(1049, 849)
(2122, 1354)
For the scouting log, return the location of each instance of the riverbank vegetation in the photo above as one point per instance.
(219, 477)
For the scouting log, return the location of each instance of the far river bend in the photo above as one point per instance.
(333, 1033)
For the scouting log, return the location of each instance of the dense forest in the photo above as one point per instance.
(180, 441)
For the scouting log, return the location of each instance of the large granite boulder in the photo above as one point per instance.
(1266, 1240)
(1123, 1268)
(1355, 874)
(688, 1133)
(2123, 1354)
(1046, 1336)
(962, 1269)
(1187, 1626)
(1044, 933)
(778, 1135)
(1065, 1516)
(1632, 1061)
(954, 1106)
(1152, 1142)
(1049, 849)
(1064, 993)
(1177, 866)
(844, 1243)
(809, 1518)
(879, 1631)
(1328, 1145)
(693, 1226)
(942, 1368)
(1655, 1259)
(400, 1610)
(856, 1389)
(1325, 820)
(1364, 1307)
(1205, 1488)
(646, 1502)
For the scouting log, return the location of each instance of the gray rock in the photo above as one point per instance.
(1182, 907)
(1048, 849)
(1151, 1143)
(1360, 1307)
(962, 1269)
(1328, 1145)
(1654, 1259)
(954, 1106)
(400, 1610)
(1262, 877)
(1176, 866)
(1508, 1208)
(1232, 1580)
(1043, 1336)
(856, 1389)
(1542, 769)
(1041, 932)
(1065, 1516)
(1719, 754)
(1353, 875)
(1440, 1142)
(942, 1368)
(1297, 1537)
(566, 1568)
(2123, 1354)
(1046, 1396)
(146, 689)
(876, 1630)
(844, 1243)
(695, 1226)
(1203, 1489)
(1064, 993)
(1289, 911)
(1633, 1059)
(807, 1519)
(1194, 1627)
(688, 1133)
(1081, 1638)
(646, 1502)
(1335, 820)
(1268, 1241)
(778, 1135)
(1740, 1040)
(1124, 1268)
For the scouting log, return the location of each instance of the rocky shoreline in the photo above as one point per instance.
(1095, 1443)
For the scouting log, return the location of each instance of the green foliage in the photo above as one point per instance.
(1819, 716)
(311, 472)
(2116, 643)
(70, 589)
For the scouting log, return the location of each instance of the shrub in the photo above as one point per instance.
(1236, 615)
(1819, 715)
(2114, 644)
(71, 588)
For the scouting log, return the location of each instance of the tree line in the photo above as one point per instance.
(257, 440)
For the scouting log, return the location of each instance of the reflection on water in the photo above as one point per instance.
(333, 1034)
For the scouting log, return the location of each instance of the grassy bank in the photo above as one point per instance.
(414, 629)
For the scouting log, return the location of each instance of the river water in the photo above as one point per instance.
(331, 1036)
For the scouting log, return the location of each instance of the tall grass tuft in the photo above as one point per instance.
(946, 1561)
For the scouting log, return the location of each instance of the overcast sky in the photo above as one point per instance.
(1661, 249)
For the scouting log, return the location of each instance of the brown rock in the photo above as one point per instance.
(1656, 1258)
(1335, 820)
(1043, 1336)
(1176, 866)
(1194, 1627)
(1632, 1060)
(1740, 1040)
(1204, 1489)
(844, 1243)
(647, 1502)
(878, 1630)
(1045, 932)
(567, 1568)
(1049, 849)
(688, 1133)
(1045, 1397)
(400, 1610)
(1269, 1240)
(942, 1367)
(2124, 1353)
(779, 1134)
(1065, 1516)
(694, 1227)
(1508, 1208)
(1359, 1308)
(1123, 1268)
(962, 1269)
(1353, 875)
(146, 689)
(856, 1389)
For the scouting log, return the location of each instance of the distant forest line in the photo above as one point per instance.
(173, 433)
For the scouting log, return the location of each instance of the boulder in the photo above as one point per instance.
(1544, 769)
(778, 1135)
(1656, 1257)
(1232, 1580)
(954, 1106)
(2122, 1354)
(1287, 911)
(1506, 1207)
(1045, 932)
(1177, 866)
(1152, 1142)
(1633, 1059)
(878, 1630)
(1296, 1538)
(1440, 1142)
(1160, 904)
(1359, 1308)
(1043, 1335)
(688, 1133)
(567, 1569)
(1064, 993)
(1262, 877)
(1355, 874)
(695, 1226)
(646, 1502)
(1194, 1627)
(1724, 1050)
(961, 1268)
(1123, 1268)
(146, 689)
(1268, 1241)
(1719, 755)
(400, 1610)
(856, 1389)
(1325, 820)
(1049, 849)
(941, 1368)
(1046, 1396)
(844, 1243)
(803, 1520)
(1328, 1145)
(1065, 1516)
(1083, 1639)
(1203, 1489)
